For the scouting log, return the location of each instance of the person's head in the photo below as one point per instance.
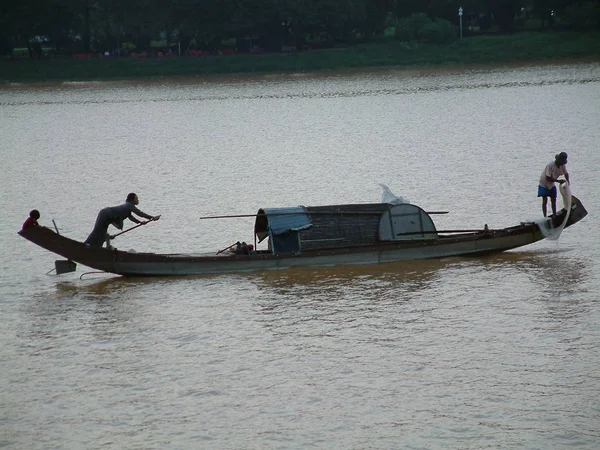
(561, 158)
(132, 198)
(34, 214)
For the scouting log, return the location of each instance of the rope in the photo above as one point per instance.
(88, 273)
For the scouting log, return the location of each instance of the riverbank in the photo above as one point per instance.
(519, 47)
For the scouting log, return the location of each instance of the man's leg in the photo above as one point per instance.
(544, 205)
(553, 200)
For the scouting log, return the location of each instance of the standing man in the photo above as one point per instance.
(550, 175)
(115, 215)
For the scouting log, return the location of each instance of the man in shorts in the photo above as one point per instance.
(550, 175)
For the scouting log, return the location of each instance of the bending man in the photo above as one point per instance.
(546, 188)
(115, 215)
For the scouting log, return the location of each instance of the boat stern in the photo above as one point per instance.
(577, 213)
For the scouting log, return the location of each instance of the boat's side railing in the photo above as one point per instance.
(484, 230)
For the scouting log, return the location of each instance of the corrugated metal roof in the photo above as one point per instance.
(343, 225)
(283, 220)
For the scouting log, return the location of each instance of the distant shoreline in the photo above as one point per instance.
(527, 47)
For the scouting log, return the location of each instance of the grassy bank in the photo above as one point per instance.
(473, 50)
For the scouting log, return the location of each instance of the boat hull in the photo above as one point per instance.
(126, 263)
(136, 264)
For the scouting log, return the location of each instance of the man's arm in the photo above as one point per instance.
(133, 219)
(142, 214)
(549, 178)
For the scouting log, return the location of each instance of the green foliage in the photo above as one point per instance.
(419, 27)
(526, 47)
(583, 16)
(228, 42)
(389, 31)
(98, 25)
(408, 28)
(438, 31)
(504, 12)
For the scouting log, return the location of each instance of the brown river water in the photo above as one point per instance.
(490, 352)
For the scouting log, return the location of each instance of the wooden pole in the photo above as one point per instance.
(129, 229)
(314, 213)
(481, 230)
(227, 248)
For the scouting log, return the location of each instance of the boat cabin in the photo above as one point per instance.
(292, 230)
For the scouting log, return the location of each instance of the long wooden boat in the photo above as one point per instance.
(313, 236)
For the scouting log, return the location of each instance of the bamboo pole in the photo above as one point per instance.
(314, 213)
(132, 228)
(480, 230)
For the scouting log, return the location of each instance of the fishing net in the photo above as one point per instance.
(388, 196)
(545, 224)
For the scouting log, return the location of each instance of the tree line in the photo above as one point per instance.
(98, 25)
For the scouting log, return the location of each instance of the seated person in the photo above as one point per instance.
(241, 248)
(32, 220)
